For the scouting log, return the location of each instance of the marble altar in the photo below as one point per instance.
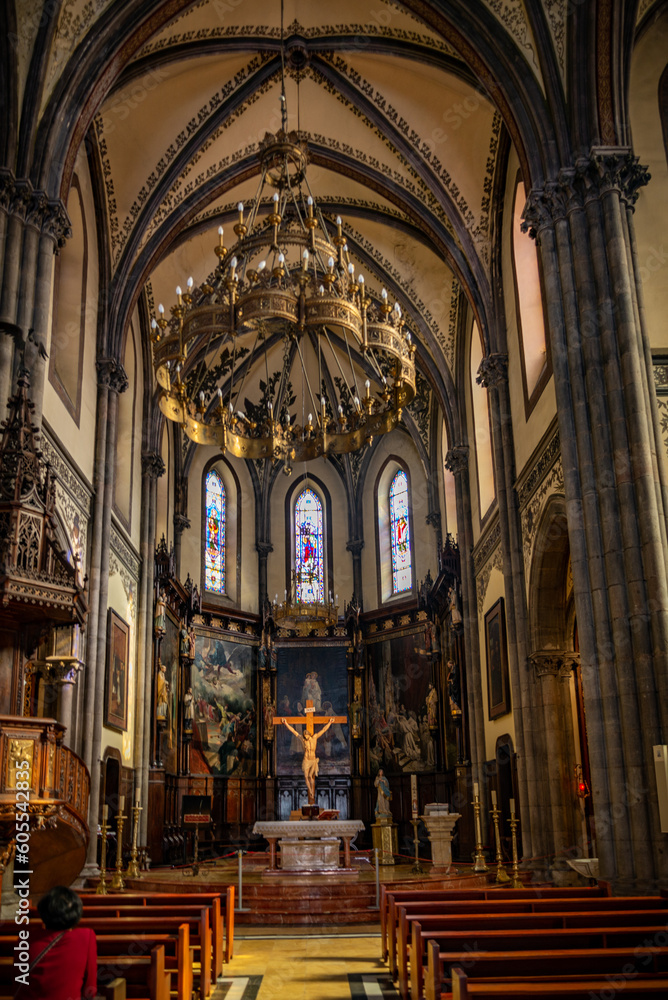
(309, 846)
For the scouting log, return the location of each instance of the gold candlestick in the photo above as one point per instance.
(478, 857)
(133, 867)
(501, 873)
(117, 882)
(102, 887)
(516, 882)
(417, 868)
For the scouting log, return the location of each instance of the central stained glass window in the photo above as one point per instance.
(309, 548)
(214, 554)
(402, 576)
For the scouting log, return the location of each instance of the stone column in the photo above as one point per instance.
(15, 196)
(117, 381)
(613, 495)
(66, 676)
(95, 556)
(263, 550)
(457, 462)
(355, 546)
(552, 669)
(152, 468)
(55, 228)
(181, 524)
(493, 375)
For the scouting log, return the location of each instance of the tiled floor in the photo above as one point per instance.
(310, 967)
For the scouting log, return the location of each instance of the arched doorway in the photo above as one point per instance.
(561, 743)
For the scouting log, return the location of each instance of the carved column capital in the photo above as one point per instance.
(433, 518)
(264, 548)
(457, 459)
(111, 373)
(554, 662)
(152, 465)
(6, 188)
(492, 370)
(54, 670)
(609, 168)
(604, 169)
(181, 523)
(56, 223)
(355, 546)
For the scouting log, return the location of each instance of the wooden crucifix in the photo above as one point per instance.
(309, 740)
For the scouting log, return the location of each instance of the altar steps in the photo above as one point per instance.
(301, 900)
(297, 902)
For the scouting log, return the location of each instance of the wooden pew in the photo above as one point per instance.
(486, 989)
(145, 976)
(178, 955)
(222, 919)
(468, 945)
(390, 899)
(113, 947)
(508, 905)
(634, 964)
(528, 892)
(500, 918)
(199, 931)
(149, 913)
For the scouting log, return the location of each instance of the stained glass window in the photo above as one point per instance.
(400, 534)
(309, 548)
(214, 555)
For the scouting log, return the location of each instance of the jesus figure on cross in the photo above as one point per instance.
(309, 741)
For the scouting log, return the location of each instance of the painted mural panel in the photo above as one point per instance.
(224, 732)
(399, 685)
(318, 674)
(168, 695)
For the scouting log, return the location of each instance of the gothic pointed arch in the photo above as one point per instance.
(221, 506)
(395, 536)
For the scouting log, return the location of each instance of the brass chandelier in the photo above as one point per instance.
(285, 281)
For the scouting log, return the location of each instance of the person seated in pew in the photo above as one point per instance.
(63, 957)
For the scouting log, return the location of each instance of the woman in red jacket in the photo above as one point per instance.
(63, 957)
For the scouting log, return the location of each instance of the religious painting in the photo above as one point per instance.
(318, 674)
(400, 694)
(116, 680)
(498, 693)
(224, 719)
(168, 695)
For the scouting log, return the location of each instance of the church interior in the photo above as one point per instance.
(334, 378)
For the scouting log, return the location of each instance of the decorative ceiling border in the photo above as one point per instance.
(74, 496)
(410, 134)
(643, 8)
(482, 580)
(120, 232)
(326, 204)
(69, 477)
(531, 513)
(487, 543)
(557, 13)
(512, 16)
(538, 466)
(327, 31)
(72, 26)
(125, 552)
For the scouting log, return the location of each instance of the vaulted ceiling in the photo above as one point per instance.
(410, 109)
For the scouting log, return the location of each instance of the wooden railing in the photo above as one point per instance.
(58, 784)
